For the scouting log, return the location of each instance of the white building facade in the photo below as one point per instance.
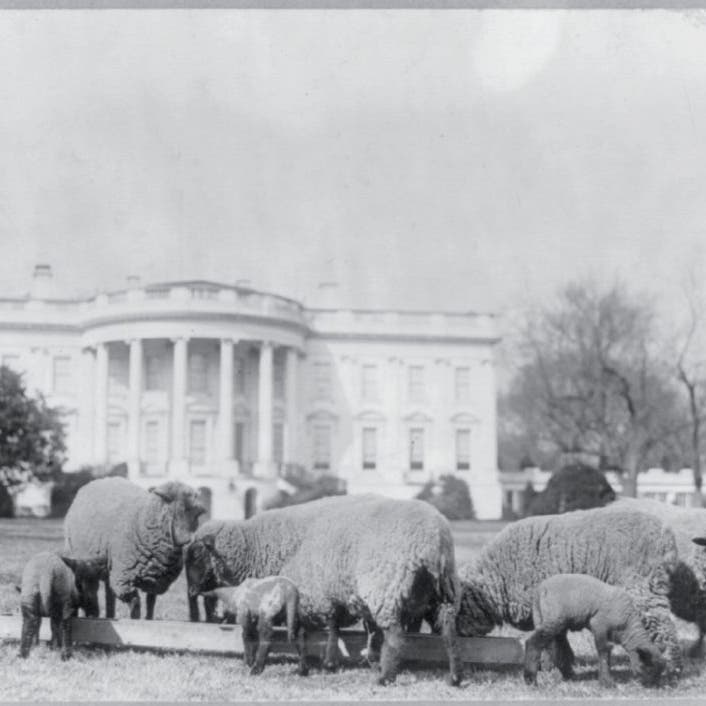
(224, 387)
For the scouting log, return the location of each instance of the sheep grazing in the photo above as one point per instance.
(576, 601)
(140, 534)
(200, 576)
(258, 605)
(388, 562)
(687, 596)
(54, 587)
(630, 549)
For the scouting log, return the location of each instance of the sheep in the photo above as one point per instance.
(54, 587)
(630, 549)
(389, 562)
(576, 601)
(141, 534)
(687, 595)
(258, 605)
(200, 577)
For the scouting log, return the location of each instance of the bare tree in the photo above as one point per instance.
(594, 384)
(691, 373)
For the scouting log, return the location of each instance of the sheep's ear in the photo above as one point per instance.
(701, 541)
(209, 541)
(86, 567)
(167, 491)
(70, 562)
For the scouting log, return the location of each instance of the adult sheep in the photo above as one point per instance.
(387, 562)
(687, 595)
(630, 549)
(141, 534)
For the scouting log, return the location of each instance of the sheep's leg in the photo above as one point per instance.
(150, 600)
(536, 643)
(209, 608)
(303, 668)
(563, 655)
(193, 607)
(55, 622)
(109, 600)
(249, 640)
(391, 654)
(600, 636)
(66, 638)
(447, 621)
(135, 609)
(31, 623)
(264, 636)
(331, 655)
(374, 642)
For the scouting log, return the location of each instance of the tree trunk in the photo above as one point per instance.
(631, 467)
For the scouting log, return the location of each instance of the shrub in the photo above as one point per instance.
(450, 496)
(65, 488)
(573, 487)
(7, 506)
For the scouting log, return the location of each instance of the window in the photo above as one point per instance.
(153, 373)
(115, 442)
(682, 499)
(322, 446)
(278, 442)
(239, 376)
(370, 382)
(463, 449)
(152, 443)
(10, 360)
(239, 440)
(416, 449)
(197, 442)
(278, 378)
(462, 385)
(322, 380)
(416, 383)
(117, 372)
(369, 448)
(62, 375)
(197, 372)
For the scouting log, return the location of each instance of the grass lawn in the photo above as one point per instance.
(131, 675)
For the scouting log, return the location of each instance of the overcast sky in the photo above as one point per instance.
(423, 159)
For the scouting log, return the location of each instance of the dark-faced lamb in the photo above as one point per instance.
(140, 535)
(576, 601)
(54, 587)
(387, 562)
(258, 605)
(630, 549)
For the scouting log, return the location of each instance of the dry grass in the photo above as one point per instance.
(97, 674)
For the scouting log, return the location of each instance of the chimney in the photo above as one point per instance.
(327, 296)
(133, 281)
(42, 282)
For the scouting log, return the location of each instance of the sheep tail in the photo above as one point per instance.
(292, 615)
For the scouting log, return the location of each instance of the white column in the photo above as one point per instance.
(178, 403)
(264, 465)
(101, 405)
(225, 401)
(290, 400)
(134, 400)
(86, 417)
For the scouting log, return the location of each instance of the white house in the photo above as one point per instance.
(222, 386)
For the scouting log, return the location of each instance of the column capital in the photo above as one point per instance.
(130, 341)
(176, 339)
(266, 343)
(228, 339)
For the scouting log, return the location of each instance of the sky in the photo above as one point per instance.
(423, 159)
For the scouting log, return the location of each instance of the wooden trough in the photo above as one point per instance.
(181, 636)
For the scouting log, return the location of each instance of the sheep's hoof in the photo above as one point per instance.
(607, 683)
(22, 654)
(303, 671)
(256, 669)
(330, 666)
(453, 679)
(65, 656)
(531, 678)
(385, 680)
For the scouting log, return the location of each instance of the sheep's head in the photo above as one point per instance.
(651, 665)
(198, 567)
(87, 574)
(185, 509)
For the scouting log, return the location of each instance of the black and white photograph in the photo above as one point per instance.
(352, 354)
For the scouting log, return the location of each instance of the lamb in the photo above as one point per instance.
(630, 549)
(576, 601)
(54, 587)
(388, 562)
(687, 595)
(259, 604)
(140, 534)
